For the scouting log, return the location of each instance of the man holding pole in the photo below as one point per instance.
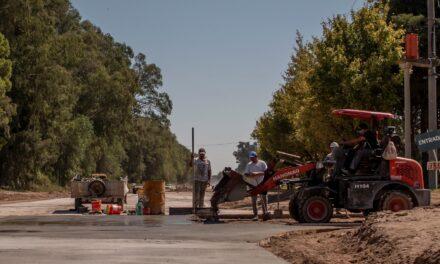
(202, 177)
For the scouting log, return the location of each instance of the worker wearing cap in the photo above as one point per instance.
(254, 175)
(202, 177)
(330, 158)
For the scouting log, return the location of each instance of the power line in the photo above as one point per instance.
(222, 144)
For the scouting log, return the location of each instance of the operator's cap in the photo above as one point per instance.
(252, 154)
(334, 145)
(202, 151)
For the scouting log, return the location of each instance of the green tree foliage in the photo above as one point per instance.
(153, 153)
(6, 107)
(411, 16)
(151, 103)
(242, 154)
(84, 102)
(353, 65)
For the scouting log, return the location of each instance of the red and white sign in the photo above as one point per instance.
(433, 165)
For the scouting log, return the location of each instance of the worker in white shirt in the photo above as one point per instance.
(254, 175)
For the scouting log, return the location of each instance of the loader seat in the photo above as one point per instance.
(371, 163)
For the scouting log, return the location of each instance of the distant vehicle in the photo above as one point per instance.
(98, 186)
(170, 187)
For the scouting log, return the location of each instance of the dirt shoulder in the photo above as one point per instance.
(14, 196)
(435, 197)
(404, 237)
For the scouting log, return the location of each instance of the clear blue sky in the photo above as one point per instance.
(221, 60)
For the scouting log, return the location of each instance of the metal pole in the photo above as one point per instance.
(432, 84)
(407, 108)
(193, 172)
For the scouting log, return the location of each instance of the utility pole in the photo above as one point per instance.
(432, 85)
(407, 69)
(193, 172)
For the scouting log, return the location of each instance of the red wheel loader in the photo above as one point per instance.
(378, 184)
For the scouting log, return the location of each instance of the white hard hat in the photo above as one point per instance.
(334, 145)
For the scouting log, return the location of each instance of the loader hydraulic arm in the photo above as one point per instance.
(282, 174)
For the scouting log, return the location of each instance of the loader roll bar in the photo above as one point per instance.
(362, 114)
(293, 157)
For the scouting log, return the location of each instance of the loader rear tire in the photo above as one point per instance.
(396, 201)
(315, 209)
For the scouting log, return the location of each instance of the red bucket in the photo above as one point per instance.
(96, 206)
(114, 209)
(146, 211)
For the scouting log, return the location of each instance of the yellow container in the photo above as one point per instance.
(154, 191)
(140, 192)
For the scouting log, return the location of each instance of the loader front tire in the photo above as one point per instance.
(315, 209)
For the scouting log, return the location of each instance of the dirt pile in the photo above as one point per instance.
(309, 247)
(404, 237)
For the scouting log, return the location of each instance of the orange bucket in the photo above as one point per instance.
(96, 206)
(114, 209)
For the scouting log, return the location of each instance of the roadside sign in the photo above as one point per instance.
(433, 165)
(428, 141)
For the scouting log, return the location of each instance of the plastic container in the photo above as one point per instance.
(154, 191)
(96, 206)
(139, 208)
(146, 211)
(114, 209)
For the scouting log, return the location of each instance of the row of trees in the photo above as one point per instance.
(412, 17)
(78, 102)
(354, 64)
(242, 154)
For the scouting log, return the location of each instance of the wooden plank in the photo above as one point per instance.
(273, 198)
(180, 210)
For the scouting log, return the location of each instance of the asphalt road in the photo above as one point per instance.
(55, 235)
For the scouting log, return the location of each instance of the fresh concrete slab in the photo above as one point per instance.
(134, 239)
(62, 250)
(47, 232)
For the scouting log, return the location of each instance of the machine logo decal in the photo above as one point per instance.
(286, 174)
(362, 186)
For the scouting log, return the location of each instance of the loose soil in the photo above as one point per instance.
(14, 196)
(404, 237)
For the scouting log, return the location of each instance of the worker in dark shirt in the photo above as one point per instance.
(364, 145)
(350, 152)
